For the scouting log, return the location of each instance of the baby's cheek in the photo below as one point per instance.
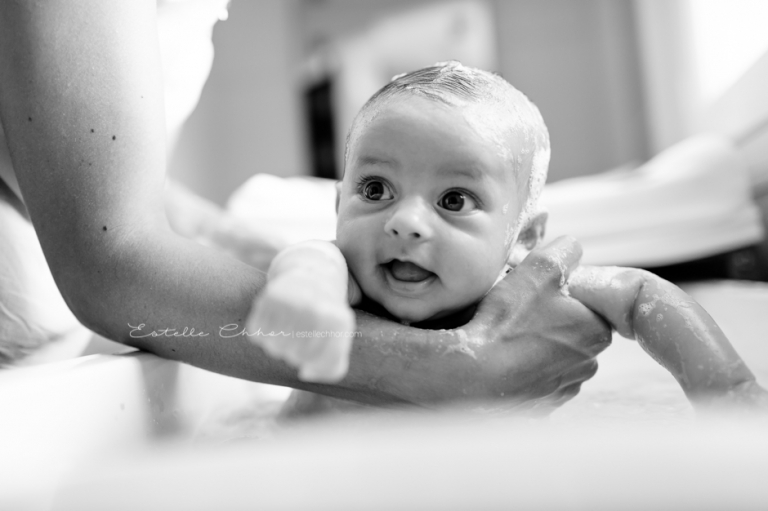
(356, 249)
(344, 235)
(348, 250)
(476, 271)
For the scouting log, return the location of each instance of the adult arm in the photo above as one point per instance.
(82, 106)
(81, 103)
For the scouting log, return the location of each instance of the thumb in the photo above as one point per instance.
(552, 264)
(545, 268)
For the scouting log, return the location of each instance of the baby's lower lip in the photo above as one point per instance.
(407, 272)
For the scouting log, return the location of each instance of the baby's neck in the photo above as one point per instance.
(455, 320)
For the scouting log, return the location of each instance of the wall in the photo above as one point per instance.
(249, 118)
(578, 61)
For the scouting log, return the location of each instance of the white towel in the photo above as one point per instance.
(692, 200)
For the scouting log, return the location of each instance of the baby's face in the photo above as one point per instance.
(427, 209)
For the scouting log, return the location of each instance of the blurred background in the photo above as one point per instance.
(616, 80)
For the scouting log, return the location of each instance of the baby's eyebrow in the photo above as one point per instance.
(468, 172)
(374, 160)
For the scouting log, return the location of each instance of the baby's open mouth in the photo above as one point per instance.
(407, 271)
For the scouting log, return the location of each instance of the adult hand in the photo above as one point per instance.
(529, 345)
(538, 344)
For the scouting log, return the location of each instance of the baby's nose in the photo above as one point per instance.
(410, 221)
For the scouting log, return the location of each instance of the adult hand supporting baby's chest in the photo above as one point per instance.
(529, 345)
(540, 343)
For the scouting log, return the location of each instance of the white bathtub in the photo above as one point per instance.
(138, 432)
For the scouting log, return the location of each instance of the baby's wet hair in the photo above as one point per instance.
(454, 84)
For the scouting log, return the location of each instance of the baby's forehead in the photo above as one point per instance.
(499, 121)
(498, 108)
(494, 135)
(496, 117)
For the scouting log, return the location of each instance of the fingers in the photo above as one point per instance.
(564, 395)
(579, 374)
(568, 385)
(548, 267)
(553, 263)
(568, 380)
(581, 329)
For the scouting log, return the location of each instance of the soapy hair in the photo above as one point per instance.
(454, 84)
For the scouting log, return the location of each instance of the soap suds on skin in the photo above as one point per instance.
(603, 277)
(464, 345)
(509, 234)
(667, 299)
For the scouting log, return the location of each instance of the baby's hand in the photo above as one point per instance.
(303, 315)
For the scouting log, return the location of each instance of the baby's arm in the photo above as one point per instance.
(303, 315)
(675, 330)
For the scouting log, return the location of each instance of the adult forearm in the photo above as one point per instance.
(81, 102)
(167, 295)
(391, 364)
(182, 301)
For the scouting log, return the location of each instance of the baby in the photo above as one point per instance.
(443, 171)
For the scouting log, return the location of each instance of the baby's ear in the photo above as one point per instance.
(338, 195)
(534, 232)
(530, 236)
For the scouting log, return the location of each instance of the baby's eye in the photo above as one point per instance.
(457, 201)
(376, 190)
